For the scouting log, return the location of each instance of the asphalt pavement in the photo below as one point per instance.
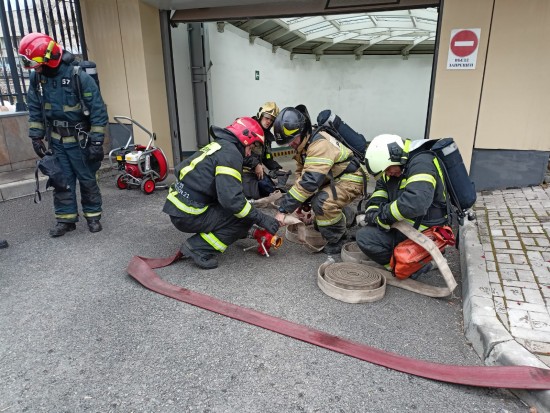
(78, 334)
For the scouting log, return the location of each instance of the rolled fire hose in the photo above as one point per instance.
(513, 377)
(352, 254)
(296, 231)
(300, 233)
(351, 282)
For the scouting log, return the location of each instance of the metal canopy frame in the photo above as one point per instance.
(394, 32)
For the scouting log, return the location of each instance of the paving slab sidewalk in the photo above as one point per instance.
(505, 262)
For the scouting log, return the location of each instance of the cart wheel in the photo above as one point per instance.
(148, 186)
(121, 182)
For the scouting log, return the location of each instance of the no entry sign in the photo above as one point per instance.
(463, 49)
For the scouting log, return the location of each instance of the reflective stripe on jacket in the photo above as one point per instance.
(211, 175)
(318, 159)
(419, 193)
(62, 102)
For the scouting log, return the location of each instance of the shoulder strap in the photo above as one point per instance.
(35, 79)
(78, 86)
(37, 195)
(324, 134)
(452, 197)
(332, 131)
(32, 79)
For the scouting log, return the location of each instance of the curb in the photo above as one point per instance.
(26, 187)
(22, 188)
(489, 338)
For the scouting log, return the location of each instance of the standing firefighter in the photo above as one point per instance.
(66, 108)
(327, 173)
(208, 196)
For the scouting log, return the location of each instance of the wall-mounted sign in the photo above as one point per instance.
(257, 75)
(463, 49)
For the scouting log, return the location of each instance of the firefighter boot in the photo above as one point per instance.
(94, 225)
(334, 248)
(204, 261)
(61, 228)
(425, 269)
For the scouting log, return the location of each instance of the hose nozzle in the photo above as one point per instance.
(265, 240)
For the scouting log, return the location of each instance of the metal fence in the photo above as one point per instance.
(60, 19)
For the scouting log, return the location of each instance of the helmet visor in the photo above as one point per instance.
(30, 63)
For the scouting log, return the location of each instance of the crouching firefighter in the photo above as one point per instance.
(208, 198)
(410, 187)
(66, 107)
(328, 173)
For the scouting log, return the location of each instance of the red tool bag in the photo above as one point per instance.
(408, 257)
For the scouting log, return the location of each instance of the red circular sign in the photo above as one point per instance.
(464, 43)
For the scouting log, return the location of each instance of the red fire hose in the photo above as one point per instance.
(513, 377)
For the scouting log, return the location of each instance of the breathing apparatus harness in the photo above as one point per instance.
(49, 165)
(334, 126)
(355, 163)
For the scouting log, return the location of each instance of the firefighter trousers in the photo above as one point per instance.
(378, 245)
(215, 229)
(74, 163)
(329, 215)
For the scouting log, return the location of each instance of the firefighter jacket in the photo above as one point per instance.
(417, 196)
(211, 176)
(59, 104)
(265, 156)
(320, 159)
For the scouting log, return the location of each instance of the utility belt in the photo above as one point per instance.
(67, 132)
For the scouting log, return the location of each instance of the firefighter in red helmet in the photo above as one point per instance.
(207, 199)
(66, 108)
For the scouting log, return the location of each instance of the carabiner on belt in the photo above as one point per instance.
(81, 136)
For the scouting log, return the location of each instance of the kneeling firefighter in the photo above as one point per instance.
(410, 186)
(208, 196)
(256, 183)
(328, 174)
(66, 108)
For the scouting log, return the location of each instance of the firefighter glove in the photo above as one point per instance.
(370, 216)
(268, 222)
(39, 147)
(95, 152)
(381, 221)
(360, 220)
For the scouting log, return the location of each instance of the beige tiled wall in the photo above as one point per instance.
(123, 38)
